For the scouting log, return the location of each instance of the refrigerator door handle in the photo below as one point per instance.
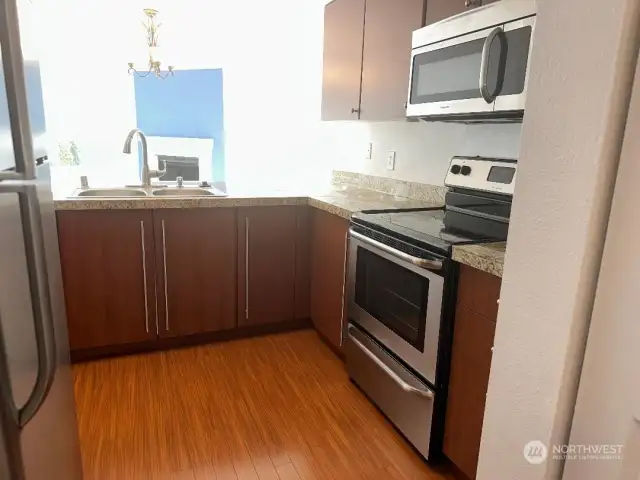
(15, 84)
(40, 298)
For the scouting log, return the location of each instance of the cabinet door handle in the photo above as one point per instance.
(246, 268)
(164, 266)
(144, 277)
(344, 287)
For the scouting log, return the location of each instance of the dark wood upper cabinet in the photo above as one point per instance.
(366, 58)
(196, 274)
(108, 275)
(342, 59)
(386, 56)
(474, 330)
(328, 260)
(266, 264)
(440, 9)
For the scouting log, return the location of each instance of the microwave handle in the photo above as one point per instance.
(484, 65)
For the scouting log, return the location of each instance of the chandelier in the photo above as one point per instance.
(151, 28)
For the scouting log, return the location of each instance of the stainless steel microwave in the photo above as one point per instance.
(473, 65)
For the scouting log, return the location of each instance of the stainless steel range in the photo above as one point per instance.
(401, 289)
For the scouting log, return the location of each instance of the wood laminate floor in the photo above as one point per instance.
(279, 407)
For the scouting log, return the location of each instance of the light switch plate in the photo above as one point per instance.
(391, 160)
(369, 151)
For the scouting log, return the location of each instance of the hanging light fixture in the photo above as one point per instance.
(154, 67)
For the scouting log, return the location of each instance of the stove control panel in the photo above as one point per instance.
(496, 175)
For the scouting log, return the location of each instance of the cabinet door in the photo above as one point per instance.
(470, 366)
(440, 9)
(108, 274)
(342, 59)
(196, 274)
(266, 264)
(387, 55)
(328, 260)
(303, 263)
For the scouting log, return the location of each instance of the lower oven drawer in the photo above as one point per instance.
(405, 400)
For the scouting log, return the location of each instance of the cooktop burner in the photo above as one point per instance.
(434, 229)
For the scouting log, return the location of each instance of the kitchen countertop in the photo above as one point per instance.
(338, 200)
(488, 257)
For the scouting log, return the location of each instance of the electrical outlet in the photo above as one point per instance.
(369, 151)
(391, 160)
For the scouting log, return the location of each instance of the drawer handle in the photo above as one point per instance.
(401, 383)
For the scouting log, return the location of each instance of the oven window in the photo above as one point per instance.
(395, 296)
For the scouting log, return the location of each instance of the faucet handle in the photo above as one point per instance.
(179, 181)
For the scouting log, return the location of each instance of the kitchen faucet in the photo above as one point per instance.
(145, 174)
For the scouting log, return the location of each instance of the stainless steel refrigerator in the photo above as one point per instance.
(38, 425)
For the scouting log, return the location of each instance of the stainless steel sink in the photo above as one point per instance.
(132, 192)
(185, 192)
(111, 192)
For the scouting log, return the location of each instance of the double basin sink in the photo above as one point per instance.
(128, 192)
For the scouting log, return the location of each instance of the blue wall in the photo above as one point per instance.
(189, 104)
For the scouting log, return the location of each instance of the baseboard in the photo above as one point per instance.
(336, 350)
(187, 341)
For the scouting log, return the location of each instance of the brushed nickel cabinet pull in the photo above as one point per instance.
(164, 266)
(144, 276)
(246, 268)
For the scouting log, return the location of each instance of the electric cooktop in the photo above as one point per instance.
(433, 229)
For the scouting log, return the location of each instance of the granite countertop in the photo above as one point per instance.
(339, 200)
(488, 257)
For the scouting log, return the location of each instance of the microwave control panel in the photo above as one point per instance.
(486, 174)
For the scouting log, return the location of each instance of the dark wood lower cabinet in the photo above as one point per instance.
(328, 260)
(470, 366)
(196, 274)
(107, 260)
(266, 265)
(151, 278)
(304, 217)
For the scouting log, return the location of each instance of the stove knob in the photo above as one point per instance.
(466, 170)
(455, 169)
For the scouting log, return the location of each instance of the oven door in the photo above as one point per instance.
(396, 301)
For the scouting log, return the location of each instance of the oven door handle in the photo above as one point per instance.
(420, 262)
(385, 368)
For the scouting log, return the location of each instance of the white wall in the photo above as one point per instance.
(608, 406)
(423, 149)
(88, 94)
(271, 54)
(582, 67)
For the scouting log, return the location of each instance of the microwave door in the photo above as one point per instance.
(512, 70)
(445, 76)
